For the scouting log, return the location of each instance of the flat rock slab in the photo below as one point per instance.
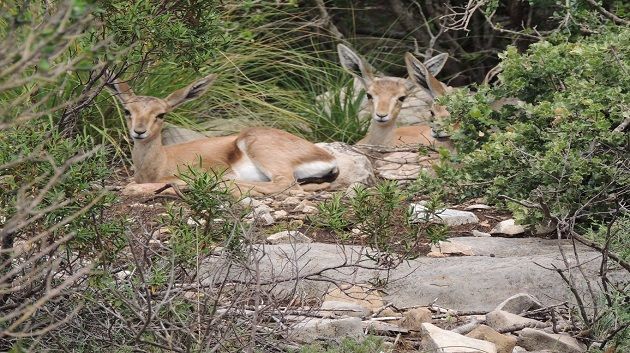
(500, 268)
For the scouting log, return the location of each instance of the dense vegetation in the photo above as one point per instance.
(71, 278)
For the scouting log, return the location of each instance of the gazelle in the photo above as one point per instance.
(385, 97)
(261, 160)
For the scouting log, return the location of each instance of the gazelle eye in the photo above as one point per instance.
(369, 96)
(127, 113)
(160, 116)
(402, 98)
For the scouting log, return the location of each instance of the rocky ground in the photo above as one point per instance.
(490, 288)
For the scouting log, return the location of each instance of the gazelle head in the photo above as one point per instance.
(385, 94)
(423, 75)
(145, 115)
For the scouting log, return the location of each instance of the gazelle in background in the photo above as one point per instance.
(259, 160)
(385, 97)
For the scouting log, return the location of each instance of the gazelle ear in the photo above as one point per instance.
(120, 89)
(420, 75)
(355, 64)
(190, 92)
(436, 63)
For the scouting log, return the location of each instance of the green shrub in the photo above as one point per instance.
(559, 147)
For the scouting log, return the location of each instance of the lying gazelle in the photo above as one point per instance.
(259, 160)
(386, 95)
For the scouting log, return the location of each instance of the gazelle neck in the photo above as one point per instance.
(380, 134)
(149, 157)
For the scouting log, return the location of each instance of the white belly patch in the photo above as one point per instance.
(313, 169)
(246, 170)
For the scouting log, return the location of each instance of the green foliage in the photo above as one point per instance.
(558, 147)
(39, 163)
(370, 344)
(211, 217)
(337, 118)
(384, 220)
(187, 32)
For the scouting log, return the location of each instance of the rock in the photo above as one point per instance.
(161, 233)
(500, 268)
(354, 167)
(478, 206)
(262, 213)
(306, 207)
(519, 349)
(436, 254)
(288, 237)
(387, 312)
(195, 222)
(476, 233)
(380, 327)
(312, 329)
(414, 318)
(504, 343)
(155, 245)
(533, 340)
(398, 166)
(435, 339)
(451, 248)
(356, 294)
(290, 201)
(501, 320)
(345, 308)
(508, 227)
(519, 303)
(448, 216)
(280, 214)
(250, 202)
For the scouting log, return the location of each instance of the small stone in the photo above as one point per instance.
(508, 227)
(476, 233)
(306, 207)
(519, 349)
(452, 248)
(504, 343)
(536, 340)
(262, 208)
(250, 202)
(478, 206)
(195, 222)
(520, 303)
(502, 320)
(436, 254)
(280, 214)
(155, 245)
(448, 216)
(345, 308)
(356, 294)
(288, 237)
(123, 275)
(161, 233)
(414, 318)
(313, 329)
(435, 339)
(290, 201)
(388, 312)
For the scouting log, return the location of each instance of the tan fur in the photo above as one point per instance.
(275, 153)
(385, 98)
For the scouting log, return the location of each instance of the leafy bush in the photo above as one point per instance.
(384, 220)
(370, 344)
(559, 148)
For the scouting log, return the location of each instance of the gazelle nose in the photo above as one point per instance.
(381, 115)
(139, 132)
